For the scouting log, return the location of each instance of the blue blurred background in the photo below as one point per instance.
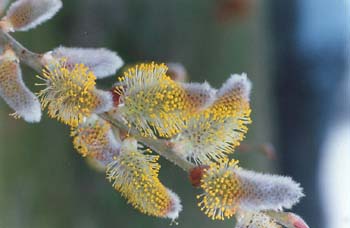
(295, 52)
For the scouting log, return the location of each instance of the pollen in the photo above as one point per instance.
(222, 191)
(151, 101)
(70, 95)
(135, 175)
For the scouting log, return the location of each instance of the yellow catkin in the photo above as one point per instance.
(135, 175)
(215, 132)
(70, 93)
(151, 101)
(222, 191)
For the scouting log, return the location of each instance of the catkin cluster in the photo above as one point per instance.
(150, 109)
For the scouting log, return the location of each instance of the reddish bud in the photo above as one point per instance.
(297, 221)
(196, 175)
(115, 96)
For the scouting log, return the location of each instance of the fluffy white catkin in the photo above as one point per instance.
(267, 192)
(27, 14)
(14, 91)
(101, 61)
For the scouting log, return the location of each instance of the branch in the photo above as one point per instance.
(160, 146)
(28, 57)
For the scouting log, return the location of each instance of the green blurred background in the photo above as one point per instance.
(45, 183)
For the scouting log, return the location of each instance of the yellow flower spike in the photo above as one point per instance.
(94, 139)
(147, 101)
(70, 94)
(222, 191)
(228, 188)
(216, 131)
(135, 175)
(208, 138)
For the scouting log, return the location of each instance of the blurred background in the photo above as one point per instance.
(295, 52)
